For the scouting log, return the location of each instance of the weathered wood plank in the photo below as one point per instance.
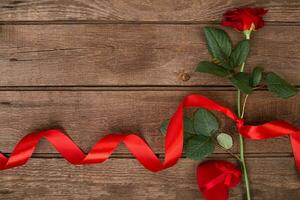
(125, 179)
(114, 54)
(139, 11)
(87, 115)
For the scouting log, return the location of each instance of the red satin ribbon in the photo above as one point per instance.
(104, 147)
(138, 147)
(216, 177)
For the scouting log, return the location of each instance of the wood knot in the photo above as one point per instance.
(185, 77)
(13, 59)
(6, 191)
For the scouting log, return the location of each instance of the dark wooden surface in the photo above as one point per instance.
(272, 178)
(91, 67)
(130, 54)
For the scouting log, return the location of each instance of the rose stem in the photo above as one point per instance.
(242, 155)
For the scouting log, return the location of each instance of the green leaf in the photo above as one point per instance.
(241, 81)
(226, 66)
(198, 147)
(279, 86)
(223, 64)
(225, 140)
(211, 68)
(218, 42)
(205, 123)
(187, 124)
(240, 53)
(164, 126)
(256, 76)
(188, 128)
(187, 136)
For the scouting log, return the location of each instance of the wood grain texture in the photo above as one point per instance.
(88, 115)
(119, 66)
(119, 179)
(139, 10)
(118, 54)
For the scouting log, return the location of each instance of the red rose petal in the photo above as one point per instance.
(244, 18)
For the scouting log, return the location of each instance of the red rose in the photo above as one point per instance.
(244, 19)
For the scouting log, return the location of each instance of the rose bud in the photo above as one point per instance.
(244, 19)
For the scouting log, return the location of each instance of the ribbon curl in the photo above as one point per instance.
(139, 148)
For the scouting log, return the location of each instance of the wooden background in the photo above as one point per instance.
(96, 66)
